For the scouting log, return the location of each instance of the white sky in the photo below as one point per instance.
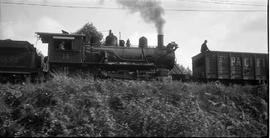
(225, 31)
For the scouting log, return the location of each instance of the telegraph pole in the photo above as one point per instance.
(268, 35)
(268, 26)
(1, 26)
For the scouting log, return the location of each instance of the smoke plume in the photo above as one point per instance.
(150, 10)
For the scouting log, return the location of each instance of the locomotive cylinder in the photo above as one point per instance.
(160, 38)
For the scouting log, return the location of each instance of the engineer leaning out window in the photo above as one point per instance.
(62, 45)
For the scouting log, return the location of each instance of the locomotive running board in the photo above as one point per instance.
(128, 63)
(121, 64)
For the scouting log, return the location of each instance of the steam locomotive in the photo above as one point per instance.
(70, 53)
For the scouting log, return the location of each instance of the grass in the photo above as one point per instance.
(76, 106)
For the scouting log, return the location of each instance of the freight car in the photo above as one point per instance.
(231, 67)
(19, 61)
(69, 53)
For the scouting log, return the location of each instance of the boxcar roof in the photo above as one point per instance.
(229, 52)
(16, 44)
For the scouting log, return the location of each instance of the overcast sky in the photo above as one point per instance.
(228, 25)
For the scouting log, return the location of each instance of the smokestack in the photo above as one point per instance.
(160, 40)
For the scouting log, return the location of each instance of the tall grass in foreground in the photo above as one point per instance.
(76, 106)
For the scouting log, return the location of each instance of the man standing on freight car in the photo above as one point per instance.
(204, 47)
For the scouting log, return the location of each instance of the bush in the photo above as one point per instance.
(75, 106)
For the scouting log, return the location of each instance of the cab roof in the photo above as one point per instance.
(45, 36)
(58, 34)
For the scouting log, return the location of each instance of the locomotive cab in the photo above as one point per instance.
(64, 50)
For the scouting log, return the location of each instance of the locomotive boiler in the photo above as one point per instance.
(108, 59)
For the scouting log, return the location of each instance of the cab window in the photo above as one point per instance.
(62, 44)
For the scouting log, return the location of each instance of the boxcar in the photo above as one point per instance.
(231, 67)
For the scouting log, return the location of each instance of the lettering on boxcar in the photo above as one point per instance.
(235, 61)
(238, 62)
(246, 62)
(232, 61)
